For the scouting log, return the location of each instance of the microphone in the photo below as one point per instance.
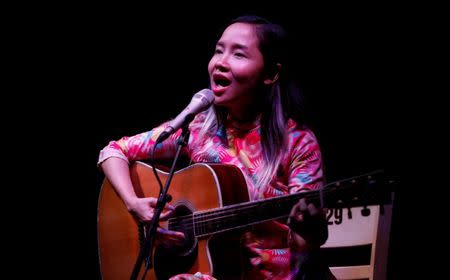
(199, 102)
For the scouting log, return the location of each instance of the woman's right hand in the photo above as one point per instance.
(144, 209)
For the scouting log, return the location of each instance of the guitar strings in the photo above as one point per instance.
(209, 221)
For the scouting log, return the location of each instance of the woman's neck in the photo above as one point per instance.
(245, 113)
(244, 121)
(244, 118)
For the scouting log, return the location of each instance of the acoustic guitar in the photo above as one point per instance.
(212, 208)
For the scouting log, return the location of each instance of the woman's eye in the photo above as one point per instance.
(239, 55)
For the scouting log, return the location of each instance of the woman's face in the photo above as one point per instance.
(236, 69)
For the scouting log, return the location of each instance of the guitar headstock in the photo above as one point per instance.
(374, 188)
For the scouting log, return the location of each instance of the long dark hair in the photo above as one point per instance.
(281, 102)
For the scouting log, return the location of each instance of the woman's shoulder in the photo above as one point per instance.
(295, 128)
(300, 133)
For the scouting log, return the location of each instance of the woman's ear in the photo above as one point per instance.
(272, 75)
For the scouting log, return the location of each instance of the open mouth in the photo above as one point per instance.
(221, 81)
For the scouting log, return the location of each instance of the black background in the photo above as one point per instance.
(106, 71)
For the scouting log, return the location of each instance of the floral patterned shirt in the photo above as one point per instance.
(300, 169)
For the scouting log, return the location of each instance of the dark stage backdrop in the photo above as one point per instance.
(121, 71)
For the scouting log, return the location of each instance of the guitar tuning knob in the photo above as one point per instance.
(365, 211)
(168, 198)
(349, 213)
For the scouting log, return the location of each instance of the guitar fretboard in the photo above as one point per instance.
(242, 215)
(355, 191)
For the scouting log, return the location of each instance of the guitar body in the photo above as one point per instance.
(196, 188)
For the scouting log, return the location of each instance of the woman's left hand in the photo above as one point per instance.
(308, 226)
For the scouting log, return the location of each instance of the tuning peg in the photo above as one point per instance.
(168, 197)
(349, 213)
(365, 211)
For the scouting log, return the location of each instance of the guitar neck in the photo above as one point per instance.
(243, 214)
(351, 192)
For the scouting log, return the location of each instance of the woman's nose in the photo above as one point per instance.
(222, 63)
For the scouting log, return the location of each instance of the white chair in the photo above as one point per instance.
(366, 234)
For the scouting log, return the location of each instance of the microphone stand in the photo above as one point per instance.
(147, 249)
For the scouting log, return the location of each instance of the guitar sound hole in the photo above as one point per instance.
(182, 221)
(173, 260)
